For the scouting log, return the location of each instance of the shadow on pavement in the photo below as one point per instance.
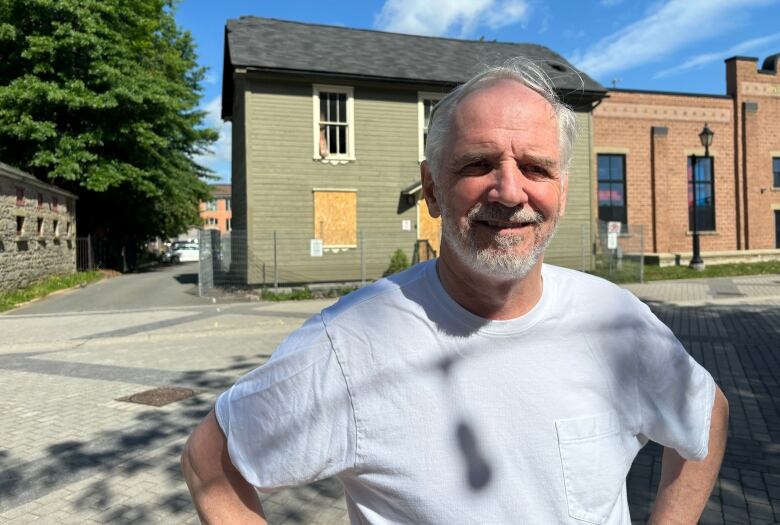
(736, 343)
(133, 475)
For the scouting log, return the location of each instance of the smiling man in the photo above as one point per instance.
(484, 387)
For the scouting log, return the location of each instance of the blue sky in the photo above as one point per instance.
(667, 45)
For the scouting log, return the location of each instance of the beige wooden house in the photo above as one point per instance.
(329, 125)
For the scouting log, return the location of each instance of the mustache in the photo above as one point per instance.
(499, 213)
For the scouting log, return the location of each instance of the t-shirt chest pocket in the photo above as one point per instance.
(594, 466)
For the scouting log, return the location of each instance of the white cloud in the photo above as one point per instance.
(707, 58)
(669, 27)
(219, 158)
(442, 17)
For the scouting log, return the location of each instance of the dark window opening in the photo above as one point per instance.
(776, 172)
(612, 188)
(777, 228)
(19, 225)
(705, 195)
(333, 124)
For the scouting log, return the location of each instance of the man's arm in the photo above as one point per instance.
(220, 493)
(686, 485)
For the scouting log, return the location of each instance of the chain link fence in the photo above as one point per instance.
(620, 252)
(231, 265)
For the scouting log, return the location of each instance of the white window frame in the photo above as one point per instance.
(335, 158)
(422, 96)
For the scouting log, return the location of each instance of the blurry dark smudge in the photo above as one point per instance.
(478, 470)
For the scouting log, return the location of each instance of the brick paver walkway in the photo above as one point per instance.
(71, 453)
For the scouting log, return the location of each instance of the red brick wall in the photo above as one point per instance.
(757, 100)
(656, 165)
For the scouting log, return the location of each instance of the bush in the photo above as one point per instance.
(398, 262)
(296, 294)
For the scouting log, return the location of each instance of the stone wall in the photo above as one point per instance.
(37, 229)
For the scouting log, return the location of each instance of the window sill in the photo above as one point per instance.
(336, 248)
(711, 232)
(334, 161)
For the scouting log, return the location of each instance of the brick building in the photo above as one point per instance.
(644, 148)
(37, 229)
(217, 213)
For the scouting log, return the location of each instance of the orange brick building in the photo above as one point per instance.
(217, 213)
(644, 148)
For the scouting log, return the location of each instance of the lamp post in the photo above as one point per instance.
(706, 139)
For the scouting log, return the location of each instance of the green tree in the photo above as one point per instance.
(100, 97)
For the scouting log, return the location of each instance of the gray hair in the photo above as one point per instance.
(520, 69)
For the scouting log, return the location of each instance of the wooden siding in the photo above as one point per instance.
(281, 176)
(239, 200)
(572, 245)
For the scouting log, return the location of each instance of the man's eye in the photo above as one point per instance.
(476, 167)
(534, 169)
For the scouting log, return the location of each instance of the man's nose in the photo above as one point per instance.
(509, 185)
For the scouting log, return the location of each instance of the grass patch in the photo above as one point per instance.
(655, 273)
(629, 273)
(301, 294)
(296, 294)
(12, 299)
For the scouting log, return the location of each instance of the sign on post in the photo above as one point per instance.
(613, 230)
(315, 248)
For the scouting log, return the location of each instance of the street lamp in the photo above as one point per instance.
(706, 139)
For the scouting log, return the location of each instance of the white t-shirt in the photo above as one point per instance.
(430, 414)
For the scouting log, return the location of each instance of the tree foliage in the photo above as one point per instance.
(100, 97)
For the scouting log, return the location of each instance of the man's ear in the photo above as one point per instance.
(429, 190)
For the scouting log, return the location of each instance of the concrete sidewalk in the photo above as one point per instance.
(72, 452)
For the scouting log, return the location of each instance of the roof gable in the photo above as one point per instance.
(281, 46)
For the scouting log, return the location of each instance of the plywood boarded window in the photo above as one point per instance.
(335, 218)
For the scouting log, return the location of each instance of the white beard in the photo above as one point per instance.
(498, 258)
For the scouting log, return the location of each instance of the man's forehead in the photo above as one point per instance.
(505, 96)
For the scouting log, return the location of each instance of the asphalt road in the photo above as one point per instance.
(164, 286)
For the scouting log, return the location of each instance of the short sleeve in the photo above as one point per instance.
(290, 421)
(675, 394)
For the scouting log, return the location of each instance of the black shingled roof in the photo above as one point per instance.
(267, 44)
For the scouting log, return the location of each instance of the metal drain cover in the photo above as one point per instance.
(158, 397)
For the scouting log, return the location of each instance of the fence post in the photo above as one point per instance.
(362, 260)
(642, 254)
(90, 261)
(276, 266)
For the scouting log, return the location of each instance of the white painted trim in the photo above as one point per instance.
(417, 212)
(349, 91)
(350, 190)
(421, 96)
(611, 151)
